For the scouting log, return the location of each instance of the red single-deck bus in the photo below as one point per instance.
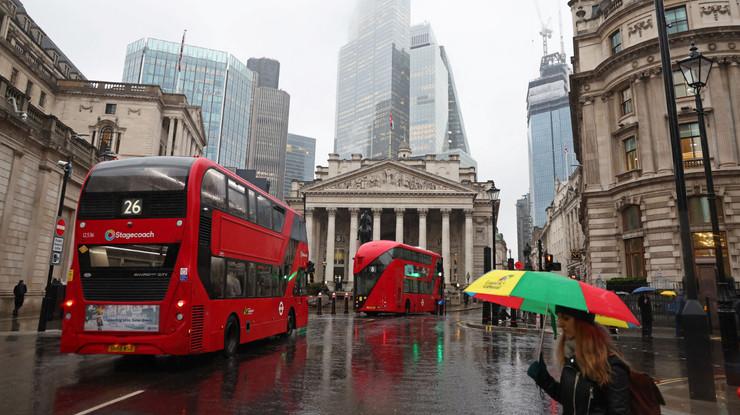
(391, 277)
(177, 255)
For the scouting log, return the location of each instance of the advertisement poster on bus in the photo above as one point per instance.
(142, 318)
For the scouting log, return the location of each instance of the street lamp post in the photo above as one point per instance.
(490, 311)
(695, 69)
(697, 346)
(67, 168)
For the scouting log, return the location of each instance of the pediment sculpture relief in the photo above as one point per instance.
(387, 179)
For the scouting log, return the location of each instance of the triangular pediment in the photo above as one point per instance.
(387, 176)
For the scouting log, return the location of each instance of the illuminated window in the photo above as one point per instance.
(690, 141)
(630, 153)
(106, 140)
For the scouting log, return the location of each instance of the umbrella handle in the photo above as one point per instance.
(542, 331)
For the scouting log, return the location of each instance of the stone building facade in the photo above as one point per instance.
(32, 141)
(621, 136)
(130, 120)
(562, 235)
(434, 204)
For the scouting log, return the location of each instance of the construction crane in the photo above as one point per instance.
(546, 30)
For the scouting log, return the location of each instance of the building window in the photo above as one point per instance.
(615, 39)
(42, 99)
(631, 220)
(676, 20)
(630, 153)
(680, 87)
(703, 243)
(29, 88)
(110, 108)
(14, 77)
(699, 211)
(626, 101)
(634, 253)
(106, 140)
(690, 141)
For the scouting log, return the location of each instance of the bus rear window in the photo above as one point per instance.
(127, 256)
(137, 179)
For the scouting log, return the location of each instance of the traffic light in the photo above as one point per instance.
(440, 268)
(510, 264)
(548, 262)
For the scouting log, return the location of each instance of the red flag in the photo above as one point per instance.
(182, 47)
(391, 120)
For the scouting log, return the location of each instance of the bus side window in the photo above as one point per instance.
(252, 207)
(278, 218)
(264, 280)
(264, 212)
(251, 284)
(237, 199)
(218, 277)
(235, 279)
(213, 190)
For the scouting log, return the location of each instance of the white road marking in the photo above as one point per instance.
(111, 402)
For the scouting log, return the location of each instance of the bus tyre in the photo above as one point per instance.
(231, 337)
(291, 323)
(408, 307)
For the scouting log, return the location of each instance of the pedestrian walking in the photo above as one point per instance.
(19, 292)
(646, 315)
(595, 378)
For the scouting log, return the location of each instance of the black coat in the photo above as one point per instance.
(574, 390)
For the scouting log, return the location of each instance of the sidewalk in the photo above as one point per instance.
(26, 325)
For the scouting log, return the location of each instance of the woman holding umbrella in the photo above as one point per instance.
(594, 377)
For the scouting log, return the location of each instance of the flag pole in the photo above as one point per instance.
(179, 62)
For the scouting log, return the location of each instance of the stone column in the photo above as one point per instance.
(353, 212)
(423, 228)
(308, 215)
(725, 133)
(170, 145)
(468, 244)
(399, 224)
(376, 223)
(659, 124)
(446, 243)
(645, 136)
(330, 235)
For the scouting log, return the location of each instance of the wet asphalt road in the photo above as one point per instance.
(339, 365)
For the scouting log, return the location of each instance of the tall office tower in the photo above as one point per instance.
(216, 81)
(436, 120)
(300, 159)
(523, 226)
(269, 136)
(373, 81)
(267, 69)
(551, 155)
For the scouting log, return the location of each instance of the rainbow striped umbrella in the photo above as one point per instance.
(540, 292)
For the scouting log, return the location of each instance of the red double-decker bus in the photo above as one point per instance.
(177, 255)
(391, 277)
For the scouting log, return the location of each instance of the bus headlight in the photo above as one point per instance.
(179, 317)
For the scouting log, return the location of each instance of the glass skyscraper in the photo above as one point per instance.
(436, 120)
(300, 160)
(214, 80)
(551, 155)
(373, 81)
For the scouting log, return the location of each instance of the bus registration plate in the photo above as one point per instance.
(121, 348)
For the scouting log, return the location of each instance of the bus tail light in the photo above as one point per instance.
(180, 303)
(179, 317)
(69, 303)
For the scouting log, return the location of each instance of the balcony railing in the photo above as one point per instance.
(693, 164)
(107, 88)
(46, 129)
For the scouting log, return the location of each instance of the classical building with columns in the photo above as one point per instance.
(433, 204)
(131, 120)
(621, 135)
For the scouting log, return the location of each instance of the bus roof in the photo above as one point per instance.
(370, 251)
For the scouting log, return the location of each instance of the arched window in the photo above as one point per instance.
(106, 140)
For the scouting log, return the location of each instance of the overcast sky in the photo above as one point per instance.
(493, 46)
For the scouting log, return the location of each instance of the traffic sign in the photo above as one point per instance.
(61, 227)
(58, 244)
(56, 258)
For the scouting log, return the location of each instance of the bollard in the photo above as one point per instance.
(346, 303)
(334, 303)
(318, 304)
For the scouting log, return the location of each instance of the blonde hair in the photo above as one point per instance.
(593, 348)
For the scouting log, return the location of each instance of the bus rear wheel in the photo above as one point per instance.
(231, 337)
